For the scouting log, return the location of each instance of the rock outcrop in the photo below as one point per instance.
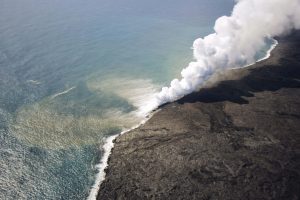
(238, 139)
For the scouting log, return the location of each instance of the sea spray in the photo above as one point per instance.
(234, 44)
(268, 54)
(101, 167)
(107, 147)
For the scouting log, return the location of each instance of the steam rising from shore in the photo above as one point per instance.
(236, 41)
(234, 44)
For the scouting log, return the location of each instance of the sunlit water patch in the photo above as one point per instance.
(73, 118)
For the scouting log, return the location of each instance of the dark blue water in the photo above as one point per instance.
(73, 72)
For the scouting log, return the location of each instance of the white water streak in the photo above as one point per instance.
(62, 93)
(108, 146)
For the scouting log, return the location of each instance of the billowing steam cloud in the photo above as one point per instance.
(236, 41)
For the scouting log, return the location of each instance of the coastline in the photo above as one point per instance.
(100, 176)
(103, 164)
(108, 189)
(109, 141)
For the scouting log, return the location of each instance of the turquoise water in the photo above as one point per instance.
(73, 72)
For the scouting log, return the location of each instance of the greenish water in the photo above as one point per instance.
(74, 72)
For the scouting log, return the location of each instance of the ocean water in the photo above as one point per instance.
(73, 72)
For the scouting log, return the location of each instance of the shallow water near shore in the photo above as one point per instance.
(73, 73)
(222, 142)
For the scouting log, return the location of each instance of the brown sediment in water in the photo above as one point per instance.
(238, 139)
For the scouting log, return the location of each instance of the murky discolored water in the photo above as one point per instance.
(73, 72)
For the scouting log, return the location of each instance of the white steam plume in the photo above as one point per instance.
(236, 41)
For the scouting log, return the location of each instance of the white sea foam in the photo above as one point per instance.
(268, 54)
(62, 93)
(101, 166)
(34, 82)
(107, 147)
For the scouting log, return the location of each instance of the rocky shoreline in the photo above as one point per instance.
(237, 139)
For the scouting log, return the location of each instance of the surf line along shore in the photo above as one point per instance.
(236, 139)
